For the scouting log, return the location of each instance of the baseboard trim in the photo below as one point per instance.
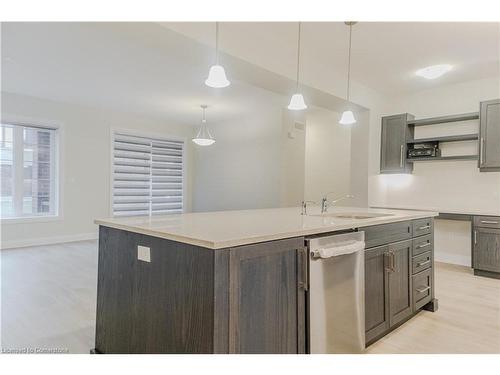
(460, 260)
(47, 240)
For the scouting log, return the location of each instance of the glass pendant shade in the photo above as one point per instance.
(297, 103)
(347, 118)
(203, 137)
(217, 77)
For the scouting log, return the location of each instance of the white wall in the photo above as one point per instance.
(328, 156)
(453, 186)
(85, 138)
(242, 169)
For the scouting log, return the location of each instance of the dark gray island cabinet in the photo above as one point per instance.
(183, 298)
(190, 299)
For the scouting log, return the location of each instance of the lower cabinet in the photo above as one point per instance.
(400, 290)
(486, 249)
(388, 290)
(267, 298)
(376, 292)
(398, 276)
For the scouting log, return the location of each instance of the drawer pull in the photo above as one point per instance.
(489, 222)
(424, 227)
(424, 245)
(420, 264)
(422, 290)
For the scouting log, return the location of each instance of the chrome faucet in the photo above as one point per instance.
(325, 203)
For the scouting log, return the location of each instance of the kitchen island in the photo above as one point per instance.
(236, 281)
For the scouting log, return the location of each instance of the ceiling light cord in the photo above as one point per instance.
(349, 63)
(216, 43)
(298, 57)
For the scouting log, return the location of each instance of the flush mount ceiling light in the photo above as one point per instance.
(347, 117)
(203, 137)
(434, 71)
(217, 75)
(297, 101)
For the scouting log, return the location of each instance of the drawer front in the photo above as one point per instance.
(378, 235)
(422, 227)
(422, 244)
(422, 293)
(421, 262)
(487, 221)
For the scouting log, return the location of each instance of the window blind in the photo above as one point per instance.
(147, 175)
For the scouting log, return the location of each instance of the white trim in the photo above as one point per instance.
(461, 260)
(47, 240)
(30, 219)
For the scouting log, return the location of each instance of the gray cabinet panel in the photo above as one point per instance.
(376, 293)
(487, 221)
(400, 291)
(394, 135)
(489, 136)
(422, 227)
(422, 289)
(138, 310)
(486, 249)
(377, 235)
(267, 313)
(422, 244)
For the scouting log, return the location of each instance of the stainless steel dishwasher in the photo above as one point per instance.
(336, 293)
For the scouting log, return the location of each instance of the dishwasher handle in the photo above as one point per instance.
(341, 248)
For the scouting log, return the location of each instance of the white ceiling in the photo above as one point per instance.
(385, 55)
(148, 68)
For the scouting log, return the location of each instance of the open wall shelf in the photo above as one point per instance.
(449, 138)
(444, 119)
(443, 158)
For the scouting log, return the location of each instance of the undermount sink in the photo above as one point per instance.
(353, 215)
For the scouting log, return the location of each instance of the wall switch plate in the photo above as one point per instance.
(144, 253)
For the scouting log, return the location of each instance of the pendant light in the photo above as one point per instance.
(297, 101)
(217, 74)
(347, 117)
(203, 137)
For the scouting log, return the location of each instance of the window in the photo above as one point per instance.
(28, 171)
(147, 175)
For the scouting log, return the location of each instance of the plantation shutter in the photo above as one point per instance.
(147, 175)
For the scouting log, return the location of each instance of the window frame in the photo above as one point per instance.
(146, 134)
(55, 171)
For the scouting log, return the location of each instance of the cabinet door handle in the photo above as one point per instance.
(305, 269)
(424, 227)
(481, 152)
(475, 237)
(392, 261)
(401, 157)
(424, 245)
(420, 264)
(489, 222)
(422, 290)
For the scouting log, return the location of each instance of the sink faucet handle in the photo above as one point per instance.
(304, 206)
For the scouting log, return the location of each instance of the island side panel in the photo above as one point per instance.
(162, 306)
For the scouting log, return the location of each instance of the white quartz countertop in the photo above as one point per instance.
(222, 229)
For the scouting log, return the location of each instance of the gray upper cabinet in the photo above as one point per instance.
(267, 298)
(489, 136)
(395, 133)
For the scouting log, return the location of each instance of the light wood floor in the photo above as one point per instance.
(48, 296)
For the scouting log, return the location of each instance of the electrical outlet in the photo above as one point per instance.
(144, 253)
